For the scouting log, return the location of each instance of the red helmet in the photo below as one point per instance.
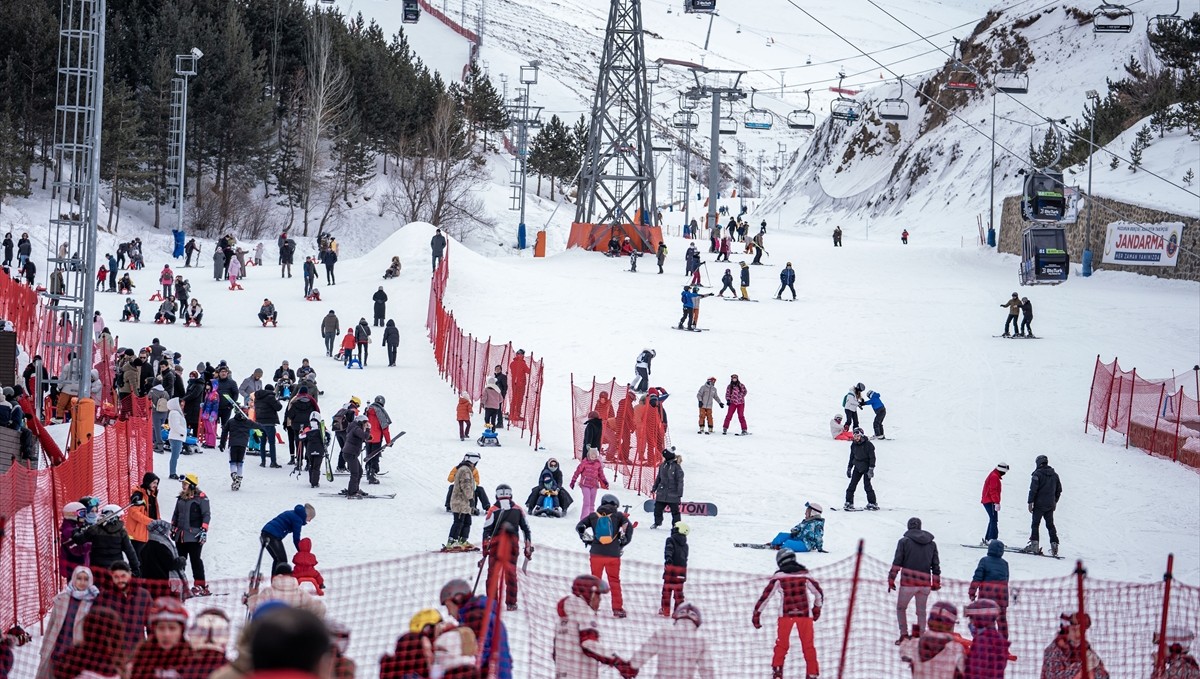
(586, 586)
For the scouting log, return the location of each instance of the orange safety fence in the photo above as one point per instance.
(466, 361)
(633, 433)
(1156, 416)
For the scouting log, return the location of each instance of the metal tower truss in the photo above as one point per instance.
(618, 168)
(71, 242)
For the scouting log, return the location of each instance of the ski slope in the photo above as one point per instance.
(915, 323)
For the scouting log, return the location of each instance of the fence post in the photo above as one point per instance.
(850, 609)
(1162, 392)
(1160, 657)
(1178, 420)
(1196, 372)
(1091, 394)
(1080, 573)
(1129, 417)
(1108, 408)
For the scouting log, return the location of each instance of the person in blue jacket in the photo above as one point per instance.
(688, 298)
(291, 521)
(876, 402)
(991, 582)
(806, 536)
(787, 279)
(471, 610)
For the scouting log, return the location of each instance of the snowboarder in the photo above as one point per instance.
(802, 601)
(190, 522)
(641, 369)
(727, 284)
(806, 536)
(590, 475)
(860, 467)
(380, 421)
(362, 339)
(610, 532)
(1014, 308)
(876, 402)
(267, 313)
(704, 401)
(991, 501)
(329, 331)
(745, 282)
(675, 562)
(501, 525)
(578, 652)
(852, 403)
(735, 396)
(1026, 319)
(916, 562)
(356, 437)
(1064, 657)
(837, 236)
(661, 255)
(380, 298)
(935, 653)
(274, 531)
(1045, 488)
(668, 487)
(391, 341)
(990, 582)
(461, 497)
(437, 245)
(787, 279)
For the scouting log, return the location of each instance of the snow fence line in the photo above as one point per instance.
(1150, 413)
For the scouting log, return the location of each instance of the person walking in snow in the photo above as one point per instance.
(837, 236)
(380, 298)
(661, 255)
(578, 652)
(668, 487)
(1014, 309)
(190, 527)
(727, 284)
(166, 279)
(904, 237)
(290, 522)
(462, 413)
(610, 531)
(852, 403)
(735, 396)
(357, 433)
(991, 502)
(675, 563)
(329, 331)
(801, 608)
(641, 369)
(239, 427)
(437, 245)
(704, 401)
(391, 341)
(329, 257)
(916, 562)
(745, 282)
(860, 467)
(309, 270)
(787, 279)
(491, 402)
(1045, 489)
(876, 402)
(287, 251)
(234, 270)
(990, 582)
(1026, 319)
(362, 339)
(590, 476)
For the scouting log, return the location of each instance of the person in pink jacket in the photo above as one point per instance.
(590, 475)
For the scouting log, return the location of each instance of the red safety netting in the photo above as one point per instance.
(634, 434)
(467, 361)
(1156, 416)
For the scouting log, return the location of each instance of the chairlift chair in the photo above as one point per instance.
(727, 125)
(844, 108)
(961, 76)
(894, 108)
(1111, 18)
(412, 12)
(757, 118)
(803, 118)
(1157, 23)
(685, 120)
(1012, 81)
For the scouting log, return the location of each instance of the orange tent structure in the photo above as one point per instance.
(596, 236)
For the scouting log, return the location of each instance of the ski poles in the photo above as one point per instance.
(707, 280)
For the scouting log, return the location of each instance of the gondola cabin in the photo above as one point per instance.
(1043, 199)
(699, 6)
(1044, 256)
(412, 12)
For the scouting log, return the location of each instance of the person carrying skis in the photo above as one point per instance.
(274, 531)
(668, 487)
(380, 421)
(876, 402)
(641, 370)
(990, 582)
(1026, 329)
(661, 255)
(735, 396)
(357, 433)
(578, 652)
(1064, 657)
(1014, 308)
(501, 525)
(610, 532)
(745, 282)
(787, 279)
(1045, 488)
(802, 601)
(704, 401)
(851, 403)
(991, 502)
(860, 467)
(806, 536)
(916, 562)
(190, 525)
(727, 284)
(675, 562)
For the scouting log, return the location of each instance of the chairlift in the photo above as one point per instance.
(1157, 23)
(727, 124)
(1012, 81)
(412, 12)
(961, 76)
(699, 6)
(1110, 18)
(757, 118)
(895, 108)
(844, 108)
(685, 120)
(1044, 256)
(802, 118)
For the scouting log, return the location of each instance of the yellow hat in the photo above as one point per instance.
(424, 618)
(191, 478)
(356, 400)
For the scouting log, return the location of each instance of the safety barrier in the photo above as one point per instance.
(633, 434)
(1156, 416)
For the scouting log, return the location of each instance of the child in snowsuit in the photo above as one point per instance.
(312, 438)
(802, 601)
(675, 558)
(590, 475)
(463, 413)
(704, 400)
(304, 565)
(348, 344)
(806, 536)
(547, 502)
(745, 281)
(727, 284)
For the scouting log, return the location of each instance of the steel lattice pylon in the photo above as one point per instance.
(617, 177)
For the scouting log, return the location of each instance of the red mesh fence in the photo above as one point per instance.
(466, 361)
(1157, 416)
(633, 433)
(852, 638)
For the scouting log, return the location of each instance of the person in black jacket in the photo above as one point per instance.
(860, 467)
(920, 571)
(193, 400)
(239, 427)
(295, 418)
(110, 541)
(610, 532)
(437, 244)
(502, 384)
(128, 600)
(391, 340)
(225, 386)
(356, 437)
(552, 469)
(329, 257)
(266, 411)
(675, 558)
(380, 298)
(503, 525)
(668, 487)
(593, 432)
(362, 339)
(1044, 490)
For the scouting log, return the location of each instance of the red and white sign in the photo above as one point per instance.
(1143, 244)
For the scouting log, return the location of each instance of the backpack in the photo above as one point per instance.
(606, 529)
(340, 419)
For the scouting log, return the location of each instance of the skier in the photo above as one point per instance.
(329, 331)
(860, 467)
(380, 298)
(110, 542)
(837, 236)
(500, 527)
(1179, 662)
(727, 284)
(990, 582)
(362, 338)
(904, 236)
(725, 247)
(610, 532)
(916, 561)
(1045, 488)
(274, 531)
(1014, 308)
(1026, 329)
(802, 601)
(704, 401)
(190, 522)
(806, 536)
(461, 497)
(661, 254)
(391, 341)
(380, 421)
(757, 244)
(745, 282)
(578, 652)
(688, 298)
(590, 475)
(295, 418)
(1064, 657)
(641, 369)
(876, 402)
(313, 448)
(735, 396)
(991, 502)
(935, 653)
(851, 403)
(437, 245)
(675, 562)
(355, 436)
(787, 279)
(668, 487)
(239, 427)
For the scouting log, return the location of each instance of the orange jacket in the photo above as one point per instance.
(137, 518)
(464, 410)
(450, 476)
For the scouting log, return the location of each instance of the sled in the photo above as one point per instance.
(844, 436)
(687, 508)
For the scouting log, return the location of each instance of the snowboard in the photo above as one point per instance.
(1015, 337)
(861, 509)
(675, 327)
(1015, 550)
(687, 508)
(381, 496)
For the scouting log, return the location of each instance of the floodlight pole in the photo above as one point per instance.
(1087, 225)
(991, 232)
(714, 160)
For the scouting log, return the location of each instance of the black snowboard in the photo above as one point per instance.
(1015, 337)
(385, 496)
(687, 508)
(1014, 550)
(675, 327)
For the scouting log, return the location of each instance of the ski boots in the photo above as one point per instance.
(776, 673)
(708, 432)
(984, 543)
(872, 507)
(848, 507)
(1032, 548)
(1053, 549)
(619, 613)
(373, 480)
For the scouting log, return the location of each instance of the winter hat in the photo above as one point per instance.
(943, 613)
(982, 609)
(310, 512)
(682, 528)
(160, 527)
(1002, 467)
(668, 454)
(1042, 461)
(914, 523)
(166, 609)
(687, 611)
(281, 569)
(269, 387)
(472, 457)
(814, 506)
(210, 630)
(463, 394)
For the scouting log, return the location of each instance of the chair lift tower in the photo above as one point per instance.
(617, 178)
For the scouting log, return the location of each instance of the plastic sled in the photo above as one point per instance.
(844, 436)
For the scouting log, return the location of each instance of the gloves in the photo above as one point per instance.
(1030, 507)
(721, 404)
(816, 613)
(891, 585)
(585, 538)
(848, 474)
(528, 550)
(794, 534)
(572, 485)
(871, 473)
(756, 621)
(937, 584)
(202, 536)
(699, 404)
(626, 670)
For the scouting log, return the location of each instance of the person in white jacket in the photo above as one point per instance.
(176, 432)
(852, 403)
(578, 652)
(682, 651)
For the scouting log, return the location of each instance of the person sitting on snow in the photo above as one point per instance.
(131, 312)
(838, 430)
(547, 502)
(806, 536)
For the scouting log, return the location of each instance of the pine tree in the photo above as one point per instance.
(12, 160)
(1189, 177)
(126, 155)
(1140, 141)
(1045, 157)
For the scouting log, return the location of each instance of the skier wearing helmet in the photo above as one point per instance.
(802, 601)
(380, 421)
(578, 651)
(473, 611)
(681, 649)
(501, 525)
(76, 548)
(610, 532)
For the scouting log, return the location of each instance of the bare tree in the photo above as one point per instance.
(438, 177)
(326, 101)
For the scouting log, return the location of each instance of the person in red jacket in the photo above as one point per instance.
(379, 421)
(518, 372)
(348, 344)
(802, 601)
(991, 502)
(304, 565)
